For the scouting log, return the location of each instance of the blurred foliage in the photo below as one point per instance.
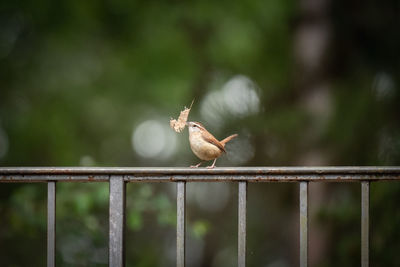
(78, 78)
(384, 235)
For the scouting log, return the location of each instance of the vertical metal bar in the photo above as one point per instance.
(303, 224)
(242, 213)
(364, 224)
(51, 224)
(181, 223)
(117, 222)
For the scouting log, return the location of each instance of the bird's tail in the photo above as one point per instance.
(229, 138)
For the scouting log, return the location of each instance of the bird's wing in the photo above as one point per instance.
(211, 139)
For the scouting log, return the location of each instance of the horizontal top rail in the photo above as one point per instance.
(220, 174)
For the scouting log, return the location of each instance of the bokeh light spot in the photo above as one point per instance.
(237, 98)
(152, 139)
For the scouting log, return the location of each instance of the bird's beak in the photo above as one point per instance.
(187, 124)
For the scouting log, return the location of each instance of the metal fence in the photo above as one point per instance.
(118, 177)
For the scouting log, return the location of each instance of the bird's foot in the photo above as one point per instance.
(196, 166)
(213, 165)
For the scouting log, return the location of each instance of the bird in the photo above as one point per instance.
(204, 145)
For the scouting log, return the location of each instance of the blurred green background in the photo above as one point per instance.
(94, 83)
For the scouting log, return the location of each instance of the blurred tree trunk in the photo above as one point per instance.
(311, 44)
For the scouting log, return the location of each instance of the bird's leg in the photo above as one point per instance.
(196, 166)
(213, 165)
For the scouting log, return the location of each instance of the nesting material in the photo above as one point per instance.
(179, 125)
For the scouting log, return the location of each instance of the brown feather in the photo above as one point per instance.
(211, 139)
(226, 140)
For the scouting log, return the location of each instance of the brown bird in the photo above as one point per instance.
(204, 145)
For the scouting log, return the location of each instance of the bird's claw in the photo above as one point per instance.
(196, 166)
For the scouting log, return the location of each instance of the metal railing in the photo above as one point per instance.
(118, 177)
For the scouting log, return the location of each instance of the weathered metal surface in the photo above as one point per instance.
(181, 223)
(179, 170)
(365, 224)
(51, 224)
(242, 214)
(117, 177)
(117, 222)
(32, 178)
(250, 174)
(303, 192)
